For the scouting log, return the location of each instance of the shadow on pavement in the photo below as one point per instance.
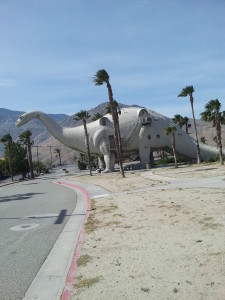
(61, 216)
(18, 197)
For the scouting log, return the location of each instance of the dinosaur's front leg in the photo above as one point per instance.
(144, 145)
(109, 159)
(109, 156)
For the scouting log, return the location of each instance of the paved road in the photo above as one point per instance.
(32, 215)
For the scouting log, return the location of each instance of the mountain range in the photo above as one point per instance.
(43, 139)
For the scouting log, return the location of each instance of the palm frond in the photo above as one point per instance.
(6, 138)
(82, 115)
(100, 77)
(188, 90)
(212, 112)
(96, 117)
(170, 129)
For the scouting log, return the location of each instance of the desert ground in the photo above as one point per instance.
(159, 234)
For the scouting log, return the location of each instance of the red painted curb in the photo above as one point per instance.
(66, 294)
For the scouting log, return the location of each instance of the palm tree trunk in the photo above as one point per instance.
(87, 145)
(174, 150)
(115, 128)
(29, 154)
(119, 136)
(219, 143)
(60, 161)
(197, 143)
(10, 159)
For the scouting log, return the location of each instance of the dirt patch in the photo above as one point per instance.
(163, 244)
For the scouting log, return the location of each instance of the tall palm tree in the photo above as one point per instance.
(100, 78)
(185, 122)
(25, 139)
(96, 117)
(58, 151)
(213, 114)
(178, 119)
(83, 115)
(189, 90)
(7, 141)
(171, 130)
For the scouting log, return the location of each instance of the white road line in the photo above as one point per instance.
(100, 196)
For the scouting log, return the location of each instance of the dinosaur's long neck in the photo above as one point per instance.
(71, 137)
(53, 127)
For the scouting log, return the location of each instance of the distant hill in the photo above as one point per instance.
(42, 137)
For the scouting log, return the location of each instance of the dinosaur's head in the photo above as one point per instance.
(22, 120)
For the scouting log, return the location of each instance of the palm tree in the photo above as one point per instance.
(83, 115)
(168, 131)
(96, 117)
(178, 119)
(189, 90)
(7, 140)
(100, 78)
(185, 122)
(25, 139)
(58, 151)
(213, 114)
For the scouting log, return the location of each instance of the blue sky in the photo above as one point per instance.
(51, 49)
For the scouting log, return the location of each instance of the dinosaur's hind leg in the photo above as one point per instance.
(101, 162)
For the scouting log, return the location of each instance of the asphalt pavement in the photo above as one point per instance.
(32, 215)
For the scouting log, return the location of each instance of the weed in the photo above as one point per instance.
(109, 209)
(112, 223)
(87, 282)
(83, 260)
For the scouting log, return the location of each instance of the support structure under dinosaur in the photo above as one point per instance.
(142, 130)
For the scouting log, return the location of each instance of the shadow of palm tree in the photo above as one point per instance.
(18, 197)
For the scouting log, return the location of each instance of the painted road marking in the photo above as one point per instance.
(41, 216)
(100, 196)
(24, 227)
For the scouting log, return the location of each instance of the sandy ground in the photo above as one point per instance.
(148, 240)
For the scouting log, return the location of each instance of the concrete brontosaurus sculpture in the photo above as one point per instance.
(141, 129)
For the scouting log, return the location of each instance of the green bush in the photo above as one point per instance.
(82, 165)
(212, 159)
(38, 166)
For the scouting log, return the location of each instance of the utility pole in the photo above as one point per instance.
(50, 148)
(37, 152)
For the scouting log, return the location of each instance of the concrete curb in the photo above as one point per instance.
(8, 183)
(14, 182)
(50, 280)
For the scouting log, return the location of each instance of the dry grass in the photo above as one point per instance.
(92, 222)
(86, 282)
(83, 260)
